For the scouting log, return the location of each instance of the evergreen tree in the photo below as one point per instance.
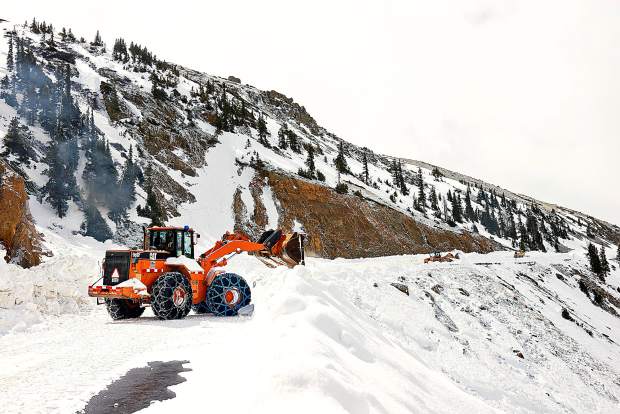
(605, 269)
(524, 239)
(457, 214)
(282, 137)
(101, 176)
(512, 229)
(535, 237)
(34, 27)
(119, 51)
(71, 36)
(293, 142)
(9, 55)
(98, 41)
(310, 160)
(18, 141)
(618, 253)
(28, 107)
(469, 211)
(595, 260)
(433, 199)
(153, 209)
(57, 188)
(261, 127)
(159, 93)
(125, 194)
(394, 171)
(365, 168)
(341, 162)
(421, 193)
(94, 225)
(69, 117)
(400, 179)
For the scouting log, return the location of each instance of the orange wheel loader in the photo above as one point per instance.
(166, 276)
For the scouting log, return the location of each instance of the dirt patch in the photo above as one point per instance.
(347, 226)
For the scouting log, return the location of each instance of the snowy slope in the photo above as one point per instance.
(213, 178)
(324, 337)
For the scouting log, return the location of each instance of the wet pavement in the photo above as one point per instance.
(136, 389)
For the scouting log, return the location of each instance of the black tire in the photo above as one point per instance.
(217, 298)
(201, 308)
(123, 309)
(171, 296)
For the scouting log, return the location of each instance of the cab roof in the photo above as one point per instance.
(159, 228)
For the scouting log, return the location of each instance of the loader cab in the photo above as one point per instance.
(178, 241)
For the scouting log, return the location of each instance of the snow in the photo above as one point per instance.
(268, 200)
(212, 214)
(137, 285)
(298, 227)
(88, 77)
(332, 336)
(323, 337)
(190, 264)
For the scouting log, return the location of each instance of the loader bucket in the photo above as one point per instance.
(293, 249)
(282, 249)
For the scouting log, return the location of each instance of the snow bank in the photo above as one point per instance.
(55, 287)
(336, 336)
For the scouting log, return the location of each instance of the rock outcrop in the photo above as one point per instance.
(351, 227)
(17, 232)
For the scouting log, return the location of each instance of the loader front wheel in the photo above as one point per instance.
(227, 294)
(123, 309)
(171, 296)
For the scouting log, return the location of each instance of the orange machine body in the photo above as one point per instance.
(148, 264)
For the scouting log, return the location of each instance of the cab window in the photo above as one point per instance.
(162, 240)
(179, 244)
(187, 245)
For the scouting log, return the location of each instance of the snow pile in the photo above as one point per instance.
(57, 286)
(481, 334)
(53, 288)
(190, 264)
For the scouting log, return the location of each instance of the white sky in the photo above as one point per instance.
(523, 94)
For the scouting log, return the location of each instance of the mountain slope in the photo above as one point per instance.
(197, 143)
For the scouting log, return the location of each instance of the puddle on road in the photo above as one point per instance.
(136, 389)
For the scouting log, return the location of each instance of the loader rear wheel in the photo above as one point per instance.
(171, 296)
(123, 309)
(227, 294)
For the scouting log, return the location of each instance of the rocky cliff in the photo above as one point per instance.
(345, 225)
(17, 232)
